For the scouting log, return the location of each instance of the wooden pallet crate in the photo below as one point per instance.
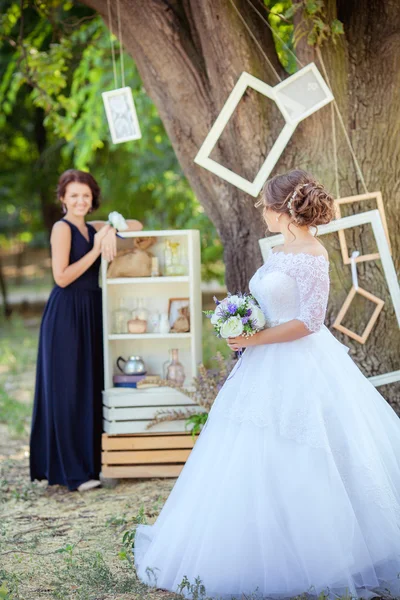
(145, 454)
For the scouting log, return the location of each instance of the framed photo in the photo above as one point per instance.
(179, 315)
(121, 115)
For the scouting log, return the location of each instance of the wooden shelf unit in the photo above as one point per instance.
(127, 411)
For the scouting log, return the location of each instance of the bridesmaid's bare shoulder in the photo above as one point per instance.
(60, 231)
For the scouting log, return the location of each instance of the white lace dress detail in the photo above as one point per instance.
(293, 286)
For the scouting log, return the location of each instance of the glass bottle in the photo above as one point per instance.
(174, 264)
(174, 370)
(141, 311)
(120, 317)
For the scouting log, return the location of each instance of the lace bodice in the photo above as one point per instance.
(293, 286)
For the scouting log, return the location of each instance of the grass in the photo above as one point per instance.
(18, 349)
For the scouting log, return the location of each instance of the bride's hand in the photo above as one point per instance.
(237, 343)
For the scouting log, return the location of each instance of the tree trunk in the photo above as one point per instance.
(7, 310)
(190, 55)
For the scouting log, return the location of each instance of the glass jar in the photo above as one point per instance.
(120, 317)
(141, 311)
(175, 262)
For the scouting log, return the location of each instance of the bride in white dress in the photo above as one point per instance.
(294, 483)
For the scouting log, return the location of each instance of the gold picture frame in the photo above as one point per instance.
(338, 321)
(342, 239)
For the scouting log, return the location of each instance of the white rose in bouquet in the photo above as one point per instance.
(231, 328)
(257, 316)
(235, 299)
(117, 220)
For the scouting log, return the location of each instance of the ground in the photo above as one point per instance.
(55, 543)
(60, 544)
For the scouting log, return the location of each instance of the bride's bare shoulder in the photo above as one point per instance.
(316, 249)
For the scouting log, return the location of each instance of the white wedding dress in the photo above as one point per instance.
(294, 483)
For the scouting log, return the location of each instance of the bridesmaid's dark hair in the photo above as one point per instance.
(299, 195)
(76, 176)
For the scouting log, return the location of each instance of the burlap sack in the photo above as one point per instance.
(135, 262)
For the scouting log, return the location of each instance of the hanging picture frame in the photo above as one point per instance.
(307, 84)
(121, 115)
(377, 196)
(374, 218)
(338, 321)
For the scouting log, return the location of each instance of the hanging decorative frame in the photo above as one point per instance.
(338, 321)
(118, 103)
(121, 115)
(342, 239)
(354, 290)
(297, 97)
(374, 218)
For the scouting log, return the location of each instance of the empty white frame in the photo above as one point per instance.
(373, 217)
(307, 88)
(297, 97)
(121, 115)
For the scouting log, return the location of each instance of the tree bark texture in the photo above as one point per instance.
(190, 55)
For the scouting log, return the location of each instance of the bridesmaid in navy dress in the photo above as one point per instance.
(65, 442)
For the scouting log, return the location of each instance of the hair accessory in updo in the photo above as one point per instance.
(292, 197)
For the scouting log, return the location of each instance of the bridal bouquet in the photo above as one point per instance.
(236, 315)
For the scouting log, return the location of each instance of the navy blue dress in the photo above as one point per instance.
(65, 442)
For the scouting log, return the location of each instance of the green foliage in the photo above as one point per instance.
(196, 422)
(312, 24)
(280, 17)
(55, 61)
(14, 414)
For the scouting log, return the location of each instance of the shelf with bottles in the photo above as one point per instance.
(148, 280)
(159, 313)
(158, 258)
(148, 336)
(155, 359)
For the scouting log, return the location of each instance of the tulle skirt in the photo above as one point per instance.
(292, 487)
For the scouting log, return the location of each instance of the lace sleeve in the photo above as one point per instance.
(312, 278)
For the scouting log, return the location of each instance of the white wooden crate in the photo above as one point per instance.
(131, 410)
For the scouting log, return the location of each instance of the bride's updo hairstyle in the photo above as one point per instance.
(299, 195)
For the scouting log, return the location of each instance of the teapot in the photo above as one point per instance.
(133, 366)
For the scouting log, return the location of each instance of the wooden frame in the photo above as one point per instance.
(292, 111)
(373, 217)
(342, 238)
(338, 321)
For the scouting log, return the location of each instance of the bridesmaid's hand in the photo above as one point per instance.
(98, 238)
(109, 245)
